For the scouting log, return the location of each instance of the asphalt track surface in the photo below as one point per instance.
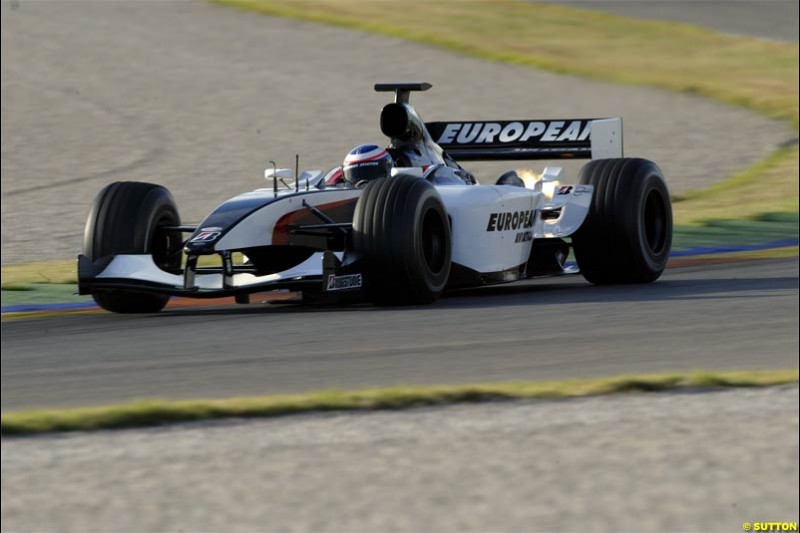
(769, 19)
(199, 98)
(735, 316)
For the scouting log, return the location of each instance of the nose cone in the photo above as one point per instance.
(202, 242)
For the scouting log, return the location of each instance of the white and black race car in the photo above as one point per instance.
(399, 240)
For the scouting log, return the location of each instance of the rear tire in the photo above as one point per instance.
(124, 219)
(627, 235)
(401, 227)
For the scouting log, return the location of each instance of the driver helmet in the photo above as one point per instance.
(365, 163)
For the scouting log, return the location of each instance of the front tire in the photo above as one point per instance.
(627, 235)
(125, 219)
(401, 227)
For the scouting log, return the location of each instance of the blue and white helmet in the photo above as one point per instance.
(366, 163)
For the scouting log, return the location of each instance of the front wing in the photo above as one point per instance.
(138, 273)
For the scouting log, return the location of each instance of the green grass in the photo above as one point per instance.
(39, 272)
(767, 189)
(153, 413)
(40, 293)
(727, 232)
(11, 287)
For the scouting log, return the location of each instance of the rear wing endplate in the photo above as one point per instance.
(529, 139)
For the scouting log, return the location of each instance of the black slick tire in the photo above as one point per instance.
(627, 234)
(125, 219)
(401, 227)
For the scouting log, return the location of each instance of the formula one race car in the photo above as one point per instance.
(424, 227)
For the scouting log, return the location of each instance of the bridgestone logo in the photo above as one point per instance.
(344, 283)
(510, 221)
(515, 132)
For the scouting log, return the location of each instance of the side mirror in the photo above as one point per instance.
(285, 178)
(278, 173)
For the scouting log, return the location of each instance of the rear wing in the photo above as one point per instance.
(529, 139)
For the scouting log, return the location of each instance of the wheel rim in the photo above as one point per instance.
(433, 241)
(655, 221)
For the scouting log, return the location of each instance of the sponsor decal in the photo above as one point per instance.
(565, 189)
(212, 228)
(205, 236)
(344, 283)
(582, 189)
(358, 164)
(524, 236)
(545, 131)
(510, 220)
